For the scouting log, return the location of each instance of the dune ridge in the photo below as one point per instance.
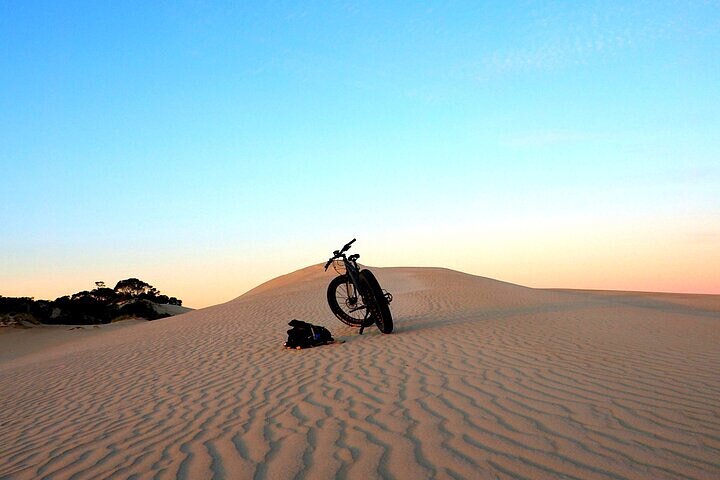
(482, 379)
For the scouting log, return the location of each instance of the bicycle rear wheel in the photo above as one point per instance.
(347, 303)
(377, 302)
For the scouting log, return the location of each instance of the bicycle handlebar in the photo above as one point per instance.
(338, 253)
(347, 245)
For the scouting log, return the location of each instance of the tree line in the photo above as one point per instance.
(130, 297)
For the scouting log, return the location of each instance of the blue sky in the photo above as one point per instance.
(207, 146)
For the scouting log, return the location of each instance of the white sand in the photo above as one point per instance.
(481, 379)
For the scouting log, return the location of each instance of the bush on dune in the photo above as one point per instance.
(130, 297)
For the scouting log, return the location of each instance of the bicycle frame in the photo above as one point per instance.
(352, 271)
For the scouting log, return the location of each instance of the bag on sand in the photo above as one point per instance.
(305, 335)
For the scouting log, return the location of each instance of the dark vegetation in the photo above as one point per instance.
(131, 297)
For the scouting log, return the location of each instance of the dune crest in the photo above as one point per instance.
(481, 379)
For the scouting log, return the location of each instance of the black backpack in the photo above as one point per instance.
(305, 335)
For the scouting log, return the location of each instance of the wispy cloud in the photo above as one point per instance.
(558, 36)
(544, 138)
(553, 54)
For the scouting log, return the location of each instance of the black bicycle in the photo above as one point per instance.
(355, 296)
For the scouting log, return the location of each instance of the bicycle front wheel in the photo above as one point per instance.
(347, 303)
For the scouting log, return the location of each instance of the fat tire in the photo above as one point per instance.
(337, 310)
(380, 307)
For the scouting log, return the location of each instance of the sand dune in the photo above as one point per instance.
(481, 379)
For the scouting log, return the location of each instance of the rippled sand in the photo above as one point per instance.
(481, 379)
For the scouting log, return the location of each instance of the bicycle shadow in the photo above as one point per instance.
(409, 324)
(575, 303)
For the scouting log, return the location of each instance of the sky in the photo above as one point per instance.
(206, 147)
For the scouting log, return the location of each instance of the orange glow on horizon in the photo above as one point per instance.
(638, 259)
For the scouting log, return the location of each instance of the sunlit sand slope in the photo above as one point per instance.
(481, 379)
